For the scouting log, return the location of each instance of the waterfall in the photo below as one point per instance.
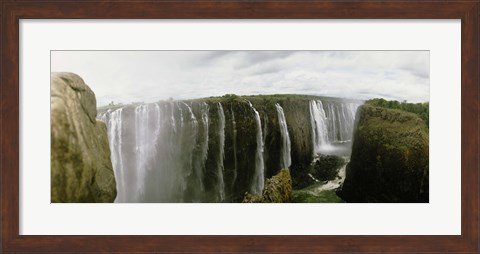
(153, 151)
(265, 130)
(147, 129)
(331, 123)
(318, 121)
(285, 159)
(113, 120)
(200, 164)
(234, 131)
(172, 117)
(191, 166)
(341, 121)
(221, 156)
(142, 142)
(167, 181)
(258, 177)
(181, 115)
(160, 151)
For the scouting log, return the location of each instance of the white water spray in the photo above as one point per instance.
(285, 159)
(318, 121)
(114, 124)
(259, 176)
(221, 156)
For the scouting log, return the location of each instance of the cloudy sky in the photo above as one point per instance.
(147, 76)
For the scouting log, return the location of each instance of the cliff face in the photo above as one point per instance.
(241, 172)
(81, 170)
(213, 149)
(389, 161)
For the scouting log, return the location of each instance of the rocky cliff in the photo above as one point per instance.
(389, 161)
(215, 149)
(81, 170)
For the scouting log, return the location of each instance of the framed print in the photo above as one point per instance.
(238, 126)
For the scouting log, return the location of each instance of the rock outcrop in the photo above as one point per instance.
(390, 157)
(323, 168)
(81, 169)
(278, 189)
(326, 168)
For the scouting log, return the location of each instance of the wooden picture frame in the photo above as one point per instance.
(12, 11)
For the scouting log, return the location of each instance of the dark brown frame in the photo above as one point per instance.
(12, 11)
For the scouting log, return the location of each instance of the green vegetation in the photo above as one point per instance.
(420, 109)
(269, 98)
(278, 189)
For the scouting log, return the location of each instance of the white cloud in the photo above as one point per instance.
(134, 76)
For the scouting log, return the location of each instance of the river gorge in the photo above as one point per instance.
(216, 149)
(262, 148)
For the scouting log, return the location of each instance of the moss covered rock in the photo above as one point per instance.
(81, 169)
(327, 167)
(389, 161)
(278, 189)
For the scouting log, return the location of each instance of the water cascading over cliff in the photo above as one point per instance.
(221, 155)
(258, 180)
(286, 160)
(211, 151)
(332, 123)
(341, 121)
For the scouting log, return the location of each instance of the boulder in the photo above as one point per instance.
(326, 168)
(278, 189)
(81, 169)
(390, 156)
(302, 176)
